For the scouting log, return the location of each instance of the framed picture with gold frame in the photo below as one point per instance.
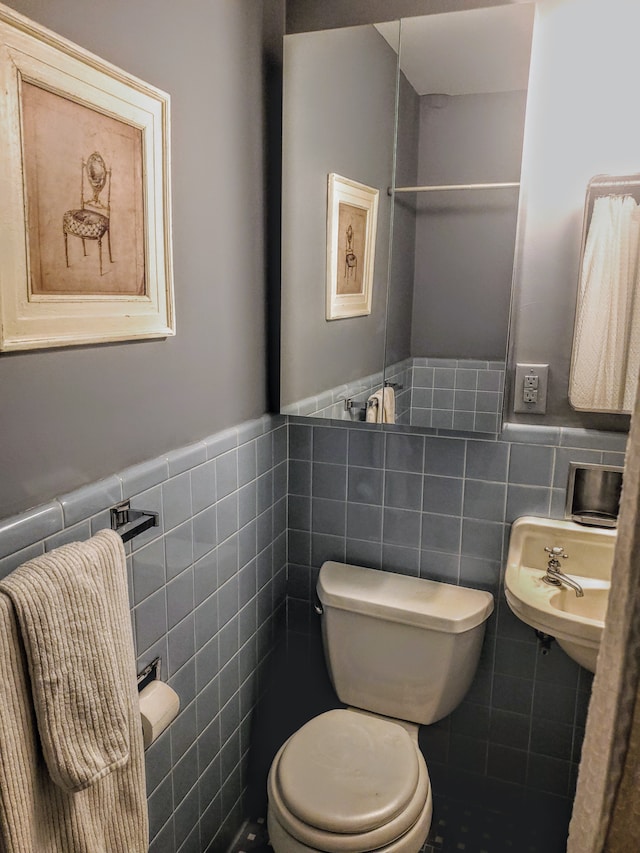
(352, 215)
(85, 206)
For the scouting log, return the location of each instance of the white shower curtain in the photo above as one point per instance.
(606, 355)
(606, 814)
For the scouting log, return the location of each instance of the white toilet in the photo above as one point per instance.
(400, 651)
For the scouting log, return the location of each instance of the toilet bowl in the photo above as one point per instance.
(400, 651)
(349, 782)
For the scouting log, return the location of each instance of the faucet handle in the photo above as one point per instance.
(556, 551)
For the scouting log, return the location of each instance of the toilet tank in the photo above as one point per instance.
(400, 646)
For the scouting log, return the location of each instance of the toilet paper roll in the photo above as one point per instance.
(159, 705)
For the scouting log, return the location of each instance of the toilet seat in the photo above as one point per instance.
(349, 782)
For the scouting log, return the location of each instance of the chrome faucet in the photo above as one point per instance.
(554, 576)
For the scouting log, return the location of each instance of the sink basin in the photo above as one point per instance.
(576, 623)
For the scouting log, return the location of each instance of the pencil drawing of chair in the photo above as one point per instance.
(91, 221)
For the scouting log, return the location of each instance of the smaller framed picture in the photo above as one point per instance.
(352, 215)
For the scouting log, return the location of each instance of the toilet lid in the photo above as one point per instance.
(347, 772)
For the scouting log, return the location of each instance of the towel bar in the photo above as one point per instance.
(350, 403)
(131, 522)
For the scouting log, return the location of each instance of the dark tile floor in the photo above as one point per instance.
(459, 828)
(253, 838)
(455, 828)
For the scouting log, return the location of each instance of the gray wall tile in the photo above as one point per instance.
(527, 500)
(326, 547)
(91, 499)
(182, 644)
(221, 442)
(185, 458)
(176, 500)
(141, 477)
(444, 456)
(247, 463)
(203, 486)
(403, 490)
(487, 460)
(329, 481)
(178, 549)
(227, 473)
(366, 448)
(484, 500)
(401, 527)
(441, 533)
(150, 620)
(329, 516)
(404, 452)
(74, 533)
(180, 598)
(531, 466)
(300, 441)
(365, 485)
(364, 522)
(204, 532)
(330, 445)
(148, 570)
(442, 495)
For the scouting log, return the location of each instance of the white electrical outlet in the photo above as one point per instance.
(530, 389)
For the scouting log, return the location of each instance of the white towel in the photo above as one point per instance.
(606, 353)
(381, 406)
(72, 762)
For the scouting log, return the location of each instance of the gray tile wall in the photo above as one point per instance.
(207, 590)
(459, 394)
(443, 394)
(331, 403)
(441, 508)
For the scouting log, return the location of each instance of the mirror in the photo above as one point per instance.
(338, 119)
(605, 358)
(438, 325)
(462, 100)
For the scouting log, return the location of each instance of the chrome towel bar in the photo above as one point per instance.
(131, 522)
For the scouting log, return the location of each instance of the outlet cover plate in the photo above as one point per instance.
(539, 407)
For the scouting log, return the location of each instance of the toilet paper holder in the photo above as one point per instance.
(149, 673)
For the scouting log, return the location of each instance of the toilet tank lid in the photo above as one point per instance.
(399, 598)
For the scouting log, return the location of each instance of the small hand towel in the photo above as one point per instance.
(381, 406)
(71, 756)
(60, 600)
(374, 408)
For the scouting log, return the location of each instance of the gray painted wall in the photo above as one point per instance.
(579, 124)
(404, 227)
(465, 240)
(339, 108)
(71, 416)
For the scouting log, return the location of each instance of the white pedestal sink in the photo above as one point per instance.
(576, 622)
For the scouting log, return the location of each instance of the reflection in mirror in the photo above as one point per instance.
(338, 119)
(606, 343)
(439, 317)
(462, 98)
